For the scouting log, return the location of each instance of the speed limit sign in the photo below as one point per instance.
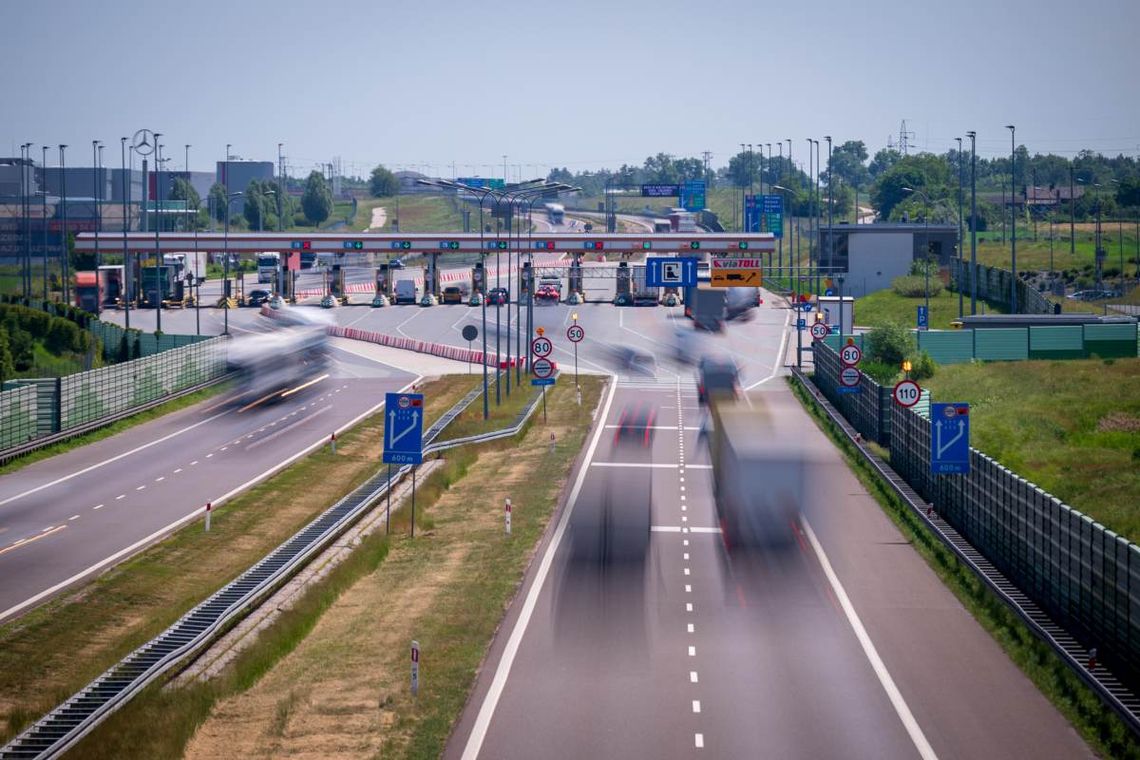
(850, 354)
(575, 333)
(907, 393)
(541, 346)
(820, 330)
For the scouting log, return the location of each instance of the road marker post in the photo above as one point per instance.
(507, 514)
(552, 443)
(209, 509)
(332, 442)
(415, 668)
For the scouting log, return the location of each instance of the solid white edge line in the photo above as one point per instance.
(897, 701)
(779, 357)
(127, 551)
(487, 710)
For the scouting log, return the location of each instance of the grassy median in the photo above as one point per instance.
(1096, 723)
(53, 651)
(330, 676)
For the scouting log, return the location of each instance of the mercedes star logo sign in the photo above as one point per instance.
(143, 142)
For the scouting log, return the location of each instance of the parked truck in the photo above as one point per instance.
(642, 294)
(759, 478)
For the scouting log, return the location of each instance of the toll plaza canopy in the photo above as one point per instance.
(397, 244)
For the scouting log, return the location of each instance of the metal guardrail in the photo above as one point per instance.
(1107, 685)
(60, 729)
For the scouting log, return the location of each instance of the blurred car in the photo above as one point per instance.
(452, 294)
(717, 376)
(396, 264)
(498, 296)
(258, 297)
(546, 293)
(1094, 295)
(635, 425)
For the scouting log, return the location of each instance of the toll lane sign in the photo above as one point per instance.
(949, 438)
(736, 278)
(403, 428)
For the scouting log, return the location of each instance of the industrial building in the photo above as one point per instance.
(869, 256)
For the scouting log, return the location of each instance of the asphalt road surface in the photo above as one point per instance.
(67, 518)
(842, 644)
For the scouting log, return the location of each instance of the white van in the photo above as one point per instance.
(405, 291)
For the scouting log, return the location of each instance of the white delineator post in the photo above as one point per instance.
(209, 509)
(332, 442)
(507, 515)
(415, 668)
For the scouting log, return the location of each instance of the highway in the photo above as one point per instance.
(845, 645)
(64, 519)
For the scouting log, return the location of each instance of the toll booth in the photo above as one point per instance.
(431, 275)
(478, 278)
(624, 279)
(384, 280)
(575, 275)
(287, 277)
(527, 275)
(336, 281)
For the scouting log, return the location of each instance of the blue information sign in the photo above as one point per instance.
(949, 438)
(670, 273)
(923, 318)
(660, 191)
(751, 213)
(403, 428)
(693, 195)
(801, 323)
(772, 219)
(542, 381)
(492, 183)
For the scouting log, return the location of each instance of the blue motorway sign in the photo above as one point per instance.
(671, 273)
(751, 213)
(801, 324)
(772, 217)
(949, 438)
(542, 381)
(806, 307)
(693, 195)
(660, 191)
(492, 183)
(403, 428)
(923, 318)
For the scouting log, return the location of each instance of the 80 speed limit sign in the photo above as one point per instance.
(907, 393)
(541, 346)
(850, 354)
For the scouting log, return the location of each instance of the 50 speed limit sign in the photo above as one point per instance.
(850, 354)
(907, 393)
(575, 333)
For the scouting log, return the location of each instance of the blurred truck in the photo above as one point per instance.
(759, 476)
(705, 305)
(642, 294)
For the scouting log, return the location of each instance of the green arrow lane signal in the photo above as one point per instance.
(743, 245)
(695, 245)
(646, 245)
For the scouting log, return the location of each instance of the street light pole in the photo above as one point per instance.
(44, 218)
(830, 229)
(157, 249)
(926, 244)
(1012, 216)
(973, 222)
(226, 260)
(961, 262)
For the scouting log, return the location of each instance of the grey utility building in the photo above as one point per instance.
(869, 256)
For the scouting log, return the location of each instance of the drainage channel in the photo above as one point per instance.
(69, 722)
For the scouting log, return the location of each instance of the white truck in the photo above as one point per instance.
(405, 291)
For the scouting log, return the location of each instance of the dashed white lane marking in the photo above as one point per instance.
(691, 628)
(699, 739)
(693, 676)
(178, 471)
(692, 651)
(685, 542)
(50, 527)
(224, 448)
(686, 571)
(688, 589)
(688, 606)
(140, 488)
(194, 463)
(160, 478)
(696, 705)
(73, 517)
(888, 683)
(120, 496)
(685, 556)
(209, 455)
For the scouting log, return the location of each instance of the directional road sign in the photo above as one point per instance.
(660, 191)
(907, 393)
(403, 428)
(575, 333)
(671, 273)
(820, 330)
(736, 278)
(949, 438)
(542, 367)
(850, 355)
(693, 195)
(806, 307)
(541, 346)
(923, 318)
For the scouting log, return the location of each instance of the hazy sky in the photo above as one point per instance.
(580, 84)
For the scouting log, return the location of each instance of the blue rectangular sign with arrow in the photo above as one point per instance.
(403, 428)
(949, 439)
(923, 318)
(671, 273)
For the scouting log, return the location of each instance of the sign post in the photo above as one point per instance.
(575, 333)
(849, 375)
(470, 333)
(949, 438)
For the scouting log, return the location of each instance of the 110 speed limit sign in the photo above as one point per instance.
(907, 393)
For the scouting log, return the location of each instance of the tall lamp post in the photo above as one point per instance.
(961, 297)
(830, 230)
(973, 222)
(44, 217)
(63, 229)
(1012, 217)
(926, 243)
(157, 226)
(226, 260)
(795, 287)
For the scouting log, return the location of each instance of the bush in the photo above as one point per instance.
(914, 286)
(922, 366)
(889, 344)
(881, 372)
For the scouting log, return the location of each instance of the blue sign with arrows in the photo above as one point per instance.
(671, 273)
(403, 428)
(949, 438)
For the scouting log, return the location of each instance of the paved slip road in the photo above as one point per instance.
(844, 646)
(68, 517)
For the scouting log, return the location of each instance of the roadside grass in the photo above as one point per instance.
(470, 422)
(1072, 427)
(52, 651)
(431, 213)
(459, 565)
(886, 306)
(1096, 723)
(113, 429)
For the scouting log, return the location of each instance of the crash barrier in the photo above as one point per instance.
(1082, 574)
(427, 347)
(993, 286)
(1104, 678)
(38, 411)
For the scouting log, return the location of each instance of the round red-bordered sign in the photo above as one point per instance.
(849, 377)
(907, 393)
(575, 333)
(820, 330)
(541, 346)
(542, 367)
(850, 354)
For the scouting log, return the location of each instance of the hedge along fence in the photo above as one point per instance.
(994, 285)
(56, 405)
